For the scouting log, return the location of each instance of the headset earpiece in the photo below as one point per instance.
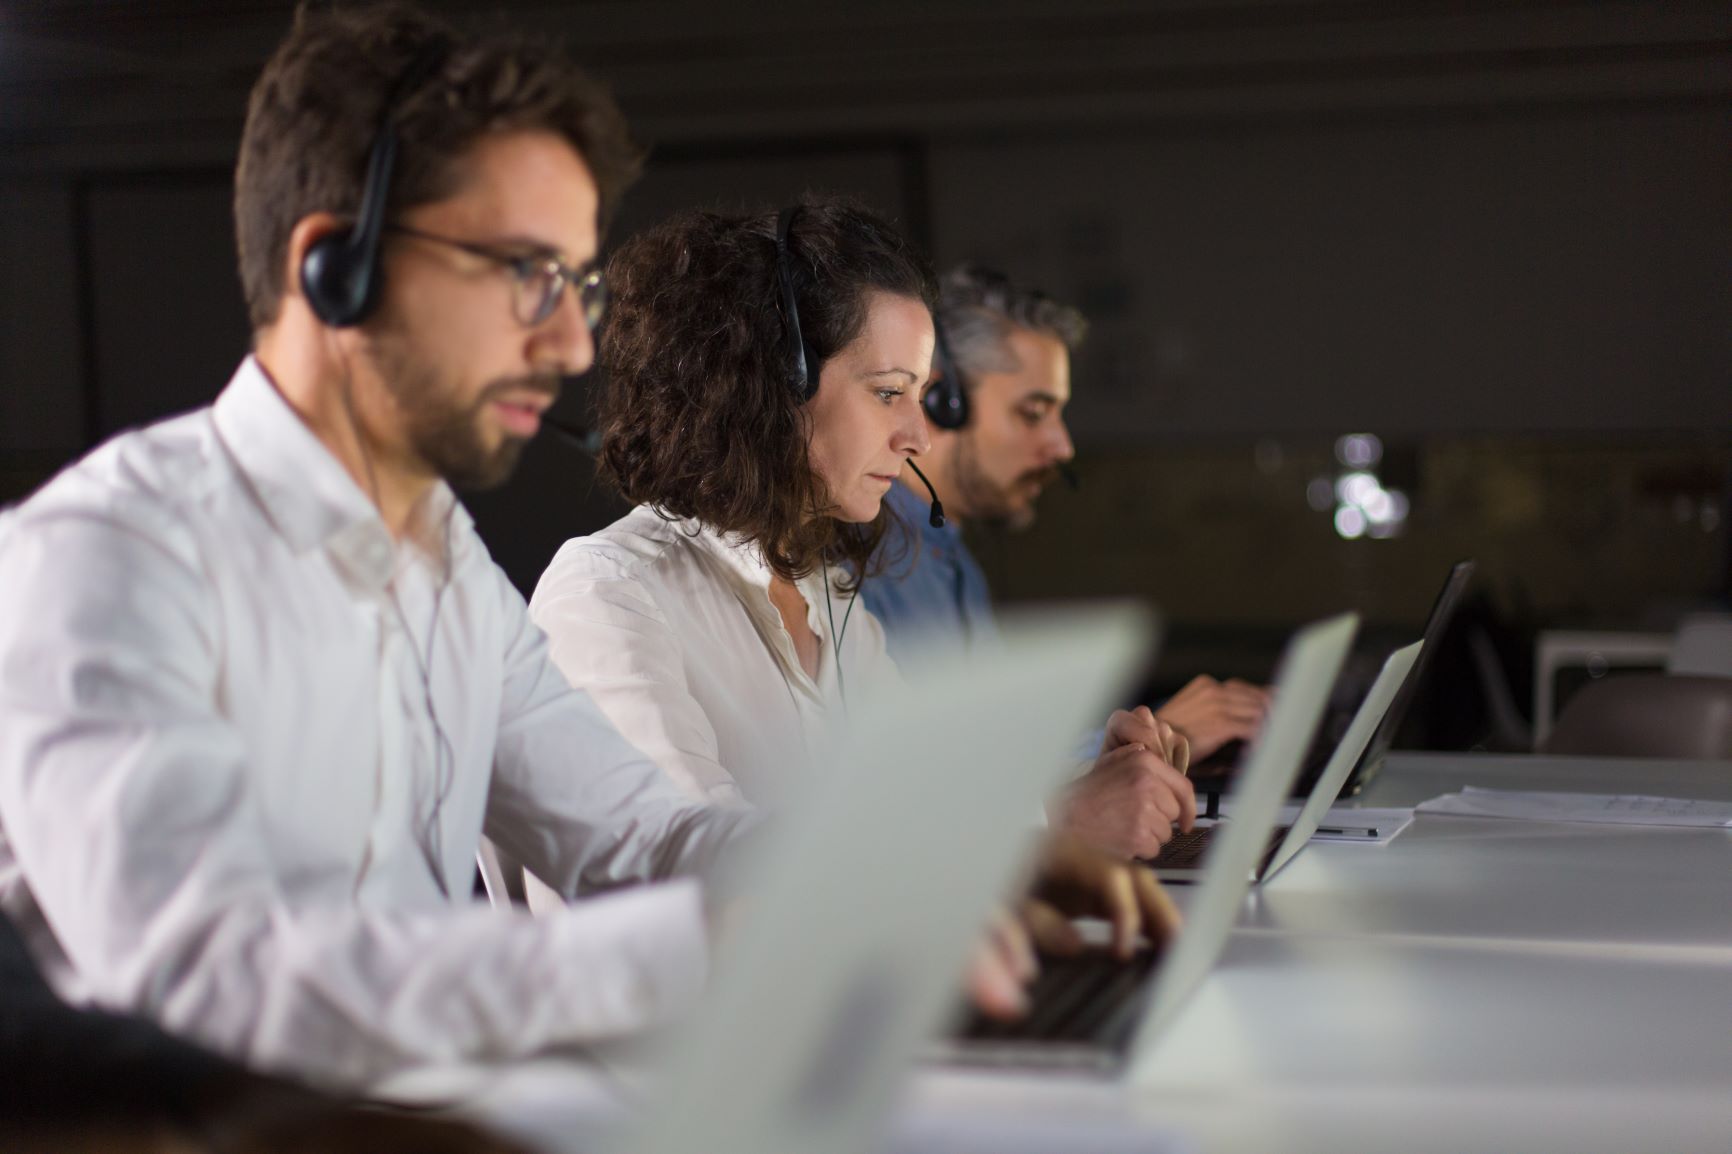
(337, 278)
(340, 272)
(946, 402)
(804, 368)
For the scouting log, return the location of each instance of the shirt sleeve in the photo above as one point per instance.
(131, 814)
(610, 640)
(580, 795)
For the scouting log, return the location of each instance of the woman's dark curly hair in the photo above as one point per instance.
(697, 410)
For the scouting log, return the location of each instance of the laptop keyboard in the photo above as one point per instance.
(1185, 851)
(1092, 997)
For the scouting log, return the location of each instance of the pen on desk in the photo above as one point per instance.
(1342, 831)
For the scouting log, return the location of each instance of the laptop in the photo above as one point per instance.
(1183, 858)
(1212, 775)
(865, 903)
(1098, 1013)
(1442, 613)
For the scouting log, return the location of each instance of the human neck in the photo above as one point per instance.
(322, 393)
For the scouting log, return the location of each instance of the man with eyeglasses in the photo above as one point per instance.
(262, 690)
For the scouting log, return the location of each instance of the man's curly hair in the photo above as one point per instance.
(697, 411)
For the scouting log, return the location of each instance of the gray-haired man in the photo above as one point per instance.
(1011, 349)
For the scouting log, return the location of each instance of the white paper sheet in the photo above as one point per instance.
(1603, 808)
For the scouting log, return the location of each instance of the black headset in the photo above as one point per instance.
(946, 402)
(340, 272)
(803, 370)
(340, 279)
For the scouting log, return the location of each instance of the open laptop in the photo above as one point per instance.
(864, 904)
(1184, 858)
(1097, 1012)
(1213, 775)
(1443, 609)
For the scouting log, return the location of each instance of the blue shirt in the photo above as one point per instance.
(927, 588)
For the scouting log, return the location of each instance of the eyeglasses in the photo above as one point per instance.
(538, 280)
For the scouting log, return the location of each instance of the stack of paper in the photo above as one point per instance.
(1606, 808)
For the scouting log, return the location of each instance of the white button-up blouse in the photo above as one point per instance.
(249, 744)
(669, 627)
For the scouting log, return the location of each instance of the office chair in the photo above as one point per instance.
(1648, 715)
(1703, 646)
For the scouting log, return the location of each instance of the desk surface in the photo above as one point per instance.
(1621, 887)
(1410, 778)
(1474, 985)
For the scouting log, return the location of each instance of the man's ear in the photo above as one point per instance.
(308, 231)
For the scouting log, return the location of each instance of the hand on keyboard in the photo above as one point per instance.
(1072, 880)
(1078, 880)
(1001, 968)
(1211, 713)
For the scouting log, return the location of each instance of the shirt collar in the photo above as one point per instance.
(744, 561)
(306, 492)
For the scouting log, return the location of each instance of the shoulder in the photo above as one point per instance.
(139, 494)
(111, 556)
(633, 552)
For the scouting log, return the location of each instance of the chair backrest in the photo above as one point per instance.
(1647, 715)
(1703, 646)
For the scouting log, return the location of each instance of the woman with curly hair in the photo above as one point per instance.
(715, 623)
(762, 391)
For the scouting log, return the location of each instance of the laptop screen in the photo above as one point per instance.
(1442, 611)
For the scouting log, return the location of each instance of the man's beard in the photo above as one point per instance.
(989, 501)
(443, 434)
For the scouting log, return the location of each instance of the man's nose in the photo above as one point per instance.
(563, 343)
(1058, 442)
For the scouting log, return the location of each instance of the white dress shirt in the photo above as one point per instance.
(669, 627)
(249, 744)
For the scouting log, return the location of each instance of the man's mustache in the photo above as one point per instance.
(1042, 477)
(548, 385)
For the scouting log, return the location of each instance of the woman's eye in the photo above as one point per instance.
(889, 395)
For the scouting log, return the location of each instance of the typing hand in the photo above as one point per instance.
(1076, 880)
(1002, 965)
(1073, 880)
(1211, 713)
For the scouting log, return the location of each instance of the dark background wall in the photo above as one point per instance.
(1498, 235)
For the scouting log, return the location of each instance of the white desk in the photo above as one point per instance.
(1474, 985)
(1623, 888)
(1350, 1120)
(1409, 778)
